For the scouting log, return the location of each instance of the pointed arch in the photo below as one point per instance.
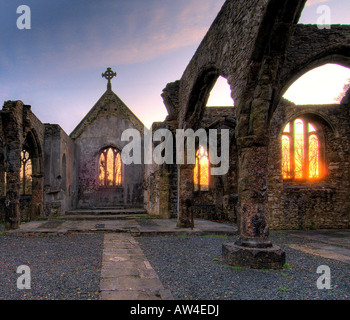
(201, 174)
(110, 168)
(26, 174)
(301, 148)
(316, 85)
(297, 67)
(220, 95)
(199, 96)
(33, 146)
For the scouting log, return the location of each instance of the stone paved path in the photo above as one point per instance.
(330, 244)
(126, 274)
(135, 226)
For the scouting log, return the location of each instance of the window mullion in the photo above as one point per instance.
(114, 169)
(23, 178)
(292, 151)
(105, 168)
(306, 149)
(199, 174)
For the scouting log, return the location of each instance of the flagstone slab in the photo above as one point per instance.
(126, 274)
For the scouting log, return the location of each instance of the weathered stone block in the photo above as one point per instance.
(255, 258)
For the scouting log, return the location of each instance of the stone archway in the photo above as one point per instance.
(199, 97)
(21, 129)
(32, 205)
(251, 54)
(313, 55)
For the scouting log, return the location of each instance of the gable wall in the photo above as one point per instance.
(104, 131)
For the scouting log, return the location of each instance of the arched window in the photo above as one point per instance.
(201, 171)
(301, 157)
(220, 95)
(26, 174)
(110, 168)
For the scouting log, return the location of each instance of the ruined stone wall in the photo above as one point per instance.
(160, 185)
(32, 206)
(319, 204)
(259, 48)
(225, 50)
(105, 131)
(68, 176)
(220, 202)
(38, 126)
(20, 128)
(173, 191)
(152, 184)
(2, 172)
(60, 177)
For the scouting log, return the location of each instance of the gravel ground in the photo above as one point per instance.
(68, 268)
(62, 267)
(191, 267)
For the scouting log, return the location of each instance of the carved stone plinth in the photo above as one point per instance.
(256, 258)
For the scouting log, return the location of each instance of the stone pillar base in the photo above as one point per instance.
(255, 258)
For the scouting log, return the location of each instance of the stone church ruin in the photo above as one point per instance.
(289, 165)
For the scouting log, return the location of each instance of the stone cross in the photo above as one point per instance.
(109, 75)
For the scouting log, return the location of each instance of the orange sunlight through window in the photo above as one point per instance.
(201, 171)
(300, 151)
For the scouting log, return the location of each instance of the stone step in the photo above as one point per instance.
(107, 211)
(100, 217)
(105, 214)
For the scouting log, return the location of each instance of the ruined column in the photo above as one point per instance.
(164, 190)
(37, 197)
(185, 194)
(12, 202)
(253, 249)
(12, 121)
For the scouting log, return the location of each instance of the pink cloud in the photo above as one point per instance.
(146, 36)
(310, 3)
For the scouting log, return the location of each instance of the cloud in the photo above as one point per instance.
(146, 49)
(141, 34)
(96, 54)
(310, 3)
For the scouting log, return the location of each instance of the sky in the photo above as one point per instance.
(56, 65)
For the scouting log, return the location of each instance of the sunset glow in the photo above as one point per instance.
(201, 171)
(300, 151)
(110, 168)
(220, 96)
(286, 157)
(26, 174)
(321, 85)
